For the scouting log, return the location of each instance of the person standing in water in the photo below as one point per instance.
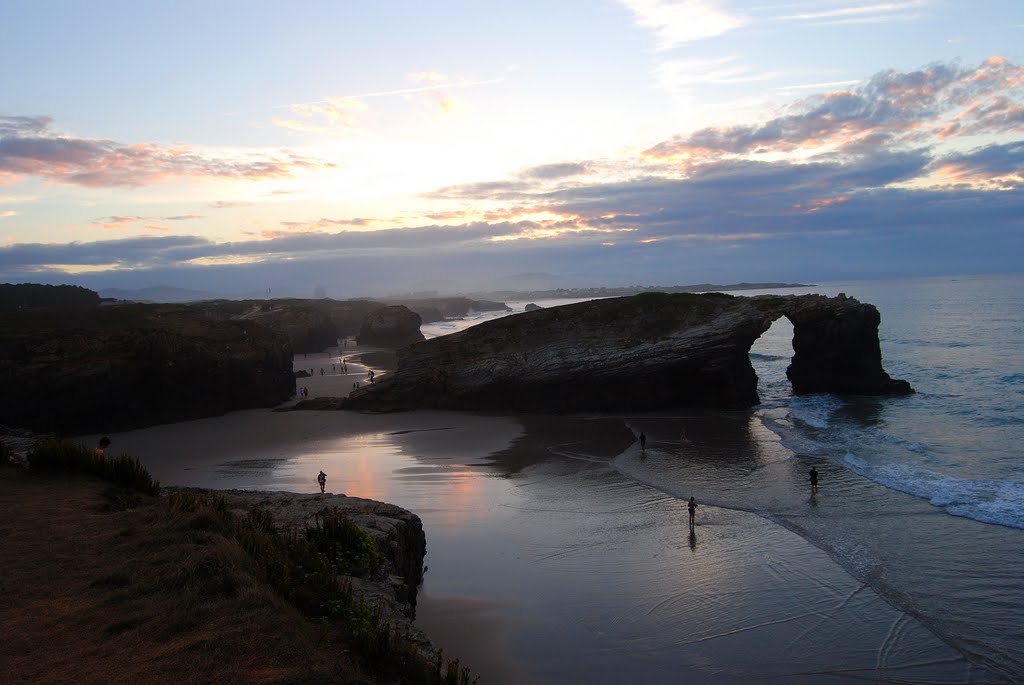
(322, 480)
(692, 508)
(814, 480)
(643, 441)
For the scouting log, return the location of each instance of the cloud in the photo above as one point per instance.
(685, 21)
(557, 170)
(679, 75)
(491, 190)
(149, 222)
(29, 147)
(338, 114)
(229, 204)
(998, 166)
(903, 144)
(892, 108)
(855, 181)
(20, 126)
(873, 13)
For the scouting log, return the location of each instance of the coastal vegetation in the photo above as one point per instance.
(196, 591)
(34, 295)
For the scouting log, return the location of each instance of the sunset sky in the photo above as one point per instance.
(357, 148)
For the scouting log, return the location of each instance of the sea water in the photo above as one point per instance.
(569, 540)
(921, 497)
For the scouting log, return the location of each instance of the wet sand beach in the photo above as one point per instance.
(546, 563)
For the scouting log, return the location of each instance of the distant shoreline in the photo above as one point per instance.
(625, 291)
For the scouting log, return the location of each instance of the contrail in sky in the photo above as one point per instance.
(402, 91)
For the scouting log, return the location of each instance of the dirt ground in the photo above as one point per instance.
(94, 592)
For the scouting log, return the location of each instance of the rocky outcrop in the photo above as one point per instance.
(646, 352)
(440, 308)
(392, 326)
(315, 325)
(836, 348)
(532, 307)
(121, 367)
(308, 327)
(397, 531)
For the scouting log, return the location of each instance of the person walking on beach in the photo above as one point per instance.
(813, 473)
(101, 449)
(322, 480)
(643, 441)
(692, 508)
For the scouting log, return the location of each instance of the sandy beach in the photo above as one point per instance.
(547, 564)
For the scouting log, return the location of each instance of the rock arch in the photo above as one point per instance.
(641, 353)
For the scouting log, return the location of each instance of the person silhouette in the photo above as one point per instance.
(813, 474)
(322, 480)
(101, 449)
(692, 508)
(643, 441)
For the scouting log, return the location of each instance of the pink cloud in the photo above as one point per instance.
(37, 151)
(115, 223)
(893, 108)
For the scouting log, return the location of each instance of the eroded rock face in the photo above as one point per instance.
(391, 326)
(836, 349)
(397, 531)
(123, 367)
(646, 352)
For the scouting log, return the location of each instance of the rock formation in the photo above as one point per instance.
(433, 309)
(397, 531)
(645, 352)
(315, 325)
(121, 367)
(532, 307)
(390, 326)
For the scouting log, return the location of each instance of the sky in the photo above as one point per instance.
(354, 148)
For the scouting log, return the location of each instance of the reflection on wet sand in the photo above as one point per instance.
(566, 569)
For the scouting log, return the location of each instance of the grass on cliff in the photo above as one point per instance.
(104, 583)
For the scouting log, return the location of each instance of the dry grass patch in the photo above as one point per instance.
(92, 592)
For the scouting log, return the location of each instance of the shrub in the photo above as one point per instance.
(61, 454)
(309, 569)
(344, 543)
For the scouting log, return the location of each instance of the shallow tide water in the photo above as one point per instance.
(558, 550)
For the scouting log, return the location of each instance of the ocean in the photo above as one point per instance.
(558, 551)
(921, 497)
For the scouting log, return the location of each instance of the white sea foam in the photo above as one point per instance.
(814, 410)
(988, 501)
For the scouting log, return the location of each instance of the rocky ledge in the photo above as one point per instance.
(398, 533)
(645, 352)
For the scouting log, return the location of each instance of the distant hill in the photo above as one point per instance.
(625, 291)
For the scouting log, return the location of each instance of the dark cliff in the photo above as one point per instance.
(315, 325)
(646, 352)
(391, 326)
(122, 367)
(440, 308)
(306, 324)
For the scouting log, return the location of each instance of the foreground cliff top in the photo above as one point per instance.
(153, 597)
(646, 352)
